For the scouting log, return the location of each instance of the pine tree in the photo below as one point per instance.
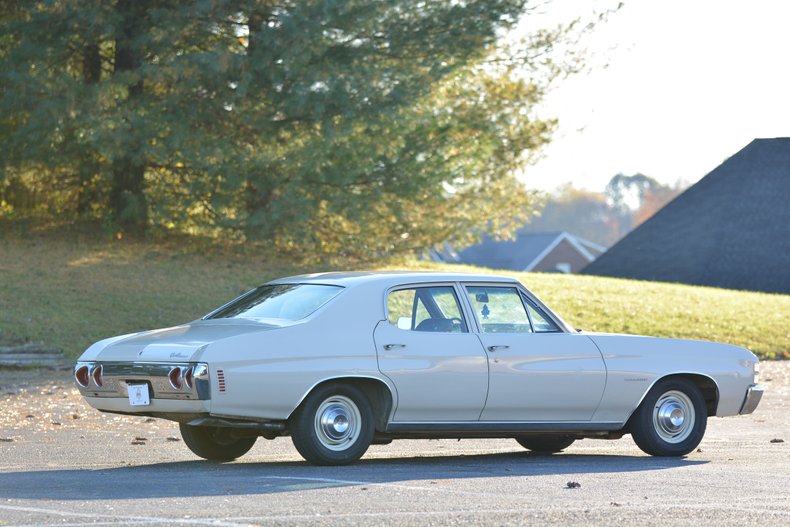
(322, 126)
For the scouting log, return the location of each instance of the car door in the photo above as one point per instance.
(538, 372)
(425, 347)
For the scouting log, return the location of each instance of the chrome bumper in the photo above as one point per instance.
(118, 375)
(752, 399)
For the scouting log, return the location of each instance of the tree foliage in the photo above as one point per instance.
(604, 217)
(637, 197)
(580, 212)
(319, 126)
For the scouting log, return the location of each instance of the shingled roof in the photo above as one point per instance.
(731, 229)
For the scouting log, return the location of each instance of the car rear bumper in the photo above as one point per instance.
(157, 408)
(165, 380)
(752, 399)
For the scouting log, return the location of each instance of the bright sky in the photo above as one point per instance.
(688, 84)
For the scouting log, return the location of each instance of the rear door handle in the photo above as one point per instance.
(497, 348)
(391, 346)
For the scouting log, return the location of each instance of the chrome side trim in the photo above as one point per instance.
(753, 396)
(393, 398)
(664, 376)
(501, 426)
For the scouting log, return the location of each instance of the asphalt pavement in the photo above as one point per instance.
(62, 463)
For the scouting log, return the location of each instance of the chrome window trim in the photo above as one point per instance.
(426, 285)
(251, 291)
(528, 302)
(563, 326)
(497, 285)
(207, 316)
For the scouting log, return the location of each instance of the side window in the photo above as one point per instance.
(499, 309)
(400, 308)
(540, 321)
(433, 309)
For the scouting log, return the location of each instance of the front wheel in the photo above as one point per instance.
(671, 419)
(333, 426)
(545, 444)
(215, 443)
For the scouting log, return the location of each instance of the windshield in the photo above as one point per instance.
(283, 301)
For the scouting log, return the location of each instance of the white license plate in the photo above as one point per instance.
(138, 395)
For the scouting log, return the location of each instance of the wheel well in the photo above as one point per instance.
(706, 385)
(375, 390)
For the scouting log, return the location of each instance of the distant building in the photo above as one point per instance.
(731, 229)
(538, 252)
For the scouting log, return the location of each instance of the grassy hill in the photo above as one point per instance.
(72, 293)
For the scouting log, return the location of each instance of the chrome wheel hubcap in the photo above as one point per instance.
(337, 423)
(673, 416)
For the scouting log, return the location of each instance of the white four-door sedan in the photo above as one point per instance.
(342, 360)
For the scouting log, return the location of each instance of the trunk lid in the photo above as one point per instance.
(179, 343)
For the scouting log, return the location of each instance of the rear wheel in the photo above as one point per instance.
(215, 443)
(333, 426)
(545, 444)
(671, 419)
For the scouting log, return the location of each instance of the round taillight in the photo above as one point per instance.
(175, 378)
(81, 376)
(188, 377)
(98, 379)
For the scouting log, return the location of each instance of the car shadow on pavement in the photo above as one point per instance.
(203, 478)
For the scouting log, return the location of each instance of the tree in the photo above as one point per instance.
(603, 217)
(320, 126)
(655, 199)
(636, 198)
(582, 213)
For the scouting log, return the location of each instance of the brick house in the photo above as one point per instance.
(529, 252)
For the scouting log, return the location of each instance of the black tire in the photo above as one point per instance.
(333, 425)
(215, 443)
(545, 444)
(671, 419)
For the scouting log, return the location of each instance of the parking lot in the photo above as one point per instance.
(62, 463)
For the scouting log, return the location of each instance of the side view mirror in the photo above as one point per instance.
(404, 323)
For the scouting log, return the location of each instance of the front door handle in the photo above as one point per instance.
(497, 348)
(391, 346)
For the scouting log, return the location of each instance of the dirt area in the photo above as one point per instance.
(43, 403)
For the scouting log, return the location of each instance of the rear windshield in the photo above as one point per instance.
(283, 301)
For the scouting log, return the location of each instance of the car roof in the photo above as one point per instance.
(390, 278)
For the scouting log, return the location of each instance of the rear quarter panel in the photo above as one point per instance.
(269, 373)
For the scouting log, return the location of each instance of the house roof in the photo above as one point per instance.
(731, 229)
(524, 252)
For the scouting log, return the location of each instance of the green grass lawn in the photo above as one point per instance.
(72, 293)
